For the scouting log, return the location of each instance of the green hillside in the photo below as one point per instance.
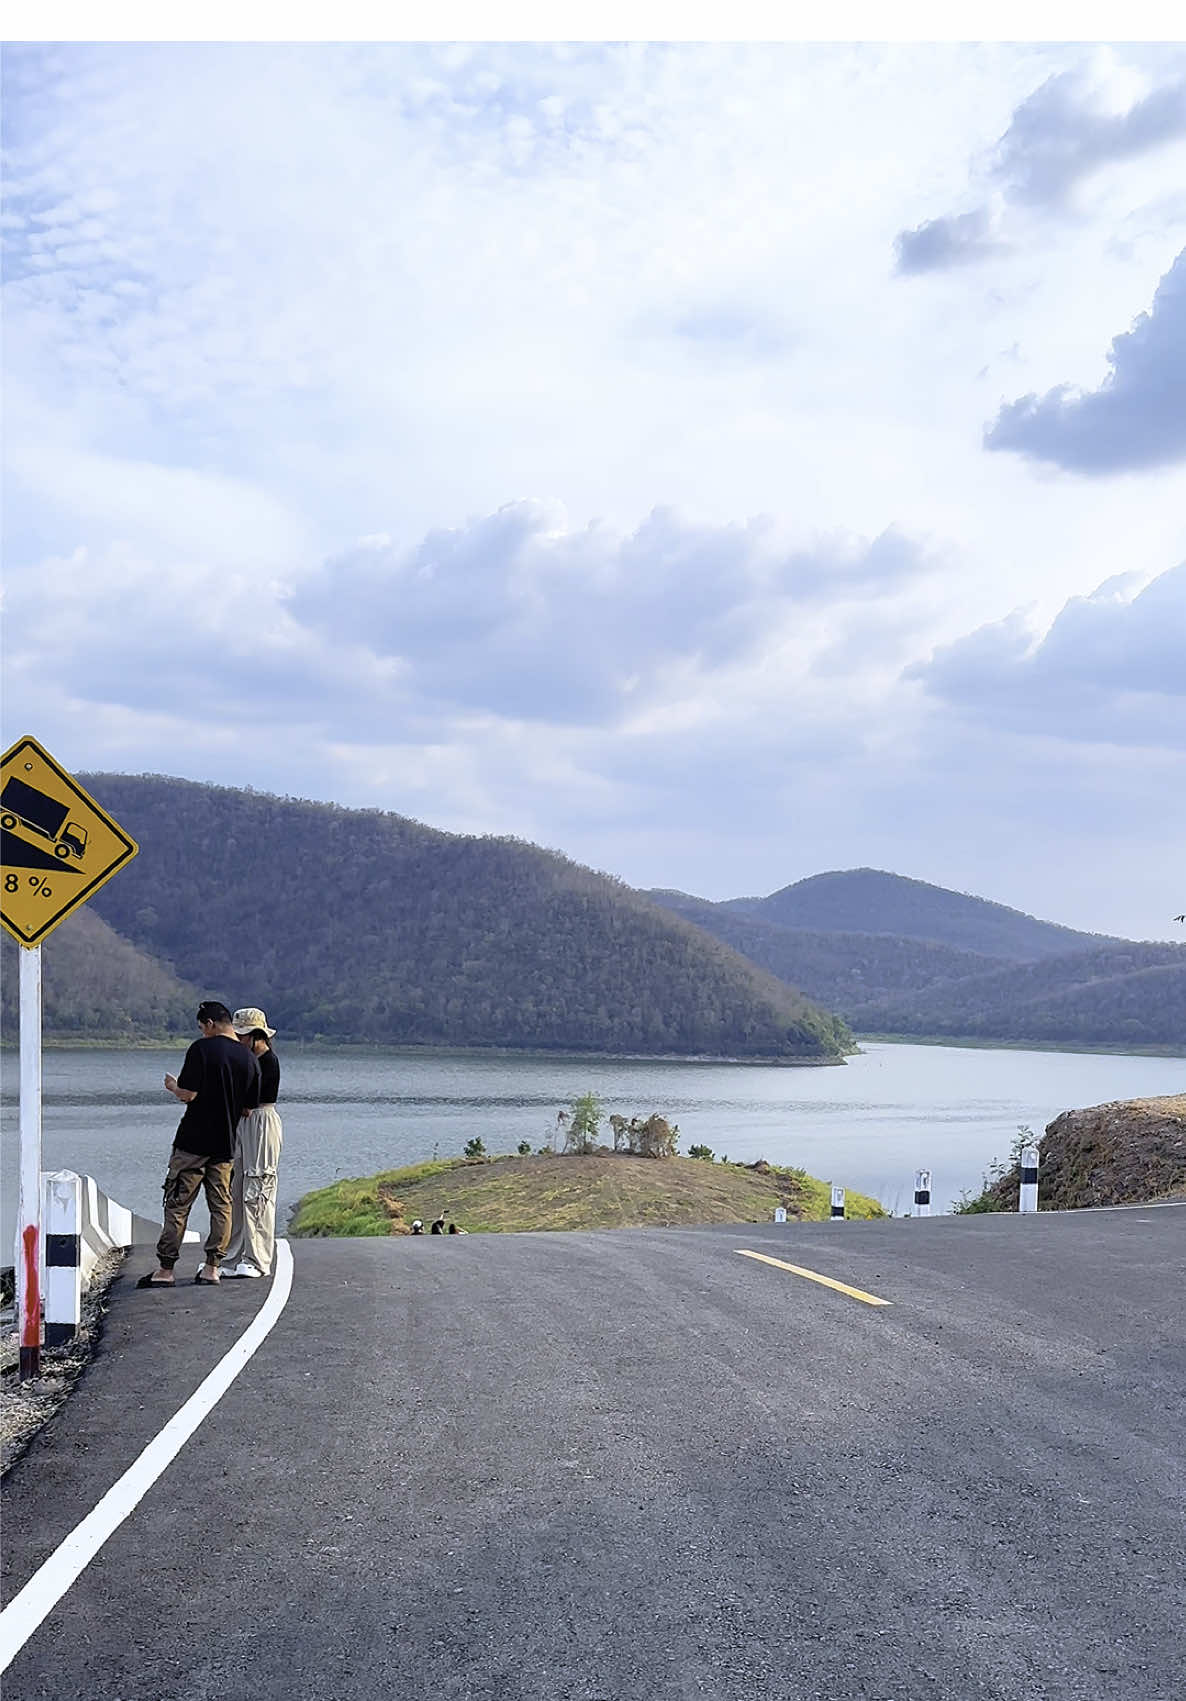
(1123, 995)
(1114, 993)
(361, 925)
(867, 900)
(602, 1190)
(838, 970)
(96, 985)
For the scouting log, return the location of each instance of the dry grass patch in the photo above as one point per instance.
(602, 1190)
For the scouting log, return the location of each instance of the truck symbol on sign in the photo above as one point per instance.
(44, 815)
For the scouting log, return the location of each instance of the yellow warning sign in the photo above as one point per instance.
(57, 846)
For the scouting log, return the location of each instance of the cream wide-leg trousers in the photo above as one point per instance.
(253, 1190)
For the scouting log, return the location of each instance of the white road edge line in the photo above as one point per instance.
(45, 1588)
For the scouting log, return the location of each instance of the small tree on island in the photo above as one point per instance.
(582, 1124)
(655, 1137)
(650, 1137)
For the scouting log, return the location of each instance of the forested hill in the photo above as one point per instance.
(361, 925)
(868, 900)
(1099, 993)
(1121, 995)
(838, 970)
(97, 986)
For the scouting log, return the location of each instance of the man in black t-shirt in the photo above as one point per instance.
(218, 1079)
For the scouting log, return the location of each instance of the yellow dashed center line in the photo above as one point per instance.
(814, 1276)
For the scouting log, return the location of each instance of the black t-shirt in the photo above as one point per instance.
(225, 1076)
(269, 1080)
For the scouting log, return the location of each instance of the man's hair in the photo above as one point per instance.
(210, 1010)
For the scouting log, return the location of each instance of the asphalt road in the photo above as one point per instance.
(600, 1467)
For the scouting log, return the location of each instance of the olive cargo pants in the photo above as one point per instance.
(188, 1172)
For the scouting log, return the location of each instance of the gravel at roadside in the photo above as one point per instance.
(26, 1406)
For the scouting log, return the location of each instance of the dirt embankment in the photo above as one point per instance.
(1129, 1152)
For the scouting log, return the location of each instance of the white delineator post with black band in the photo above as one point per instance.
(28, 1228)
(1027, 1197)
(922, 1193)
(61, 1232)
(837, 1204)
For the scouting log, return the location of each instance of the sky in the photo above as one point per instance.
(721, 463)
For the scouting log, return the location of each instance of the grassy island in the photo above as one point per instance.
(601, 1190)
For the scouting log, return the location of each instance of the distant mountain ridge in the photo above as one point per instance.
(869, 900)
(964, 969)
(1134, 995)
(364, 925)
(841, 968)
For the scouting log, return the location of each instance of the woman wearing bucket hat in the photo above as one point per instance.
(257, 1156)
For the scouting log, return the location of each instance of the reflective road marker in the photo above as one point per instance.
(814, 1276)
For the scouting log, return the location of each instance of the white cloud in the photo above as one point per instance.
(1109, 669)
(1072, 127)
(518, 615)
(612, 300)
(514, 618)
(958, 239)
(1135, 419)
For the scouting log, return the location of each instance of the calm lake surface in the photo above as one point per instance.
(867, 1125)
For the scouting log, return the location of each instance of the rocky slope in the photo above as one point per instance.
(1129, 1152)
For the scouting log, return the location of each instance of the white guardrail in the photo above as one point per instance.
(79, 1224)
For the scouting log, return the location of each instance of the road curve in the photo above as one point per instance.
(600, 1467)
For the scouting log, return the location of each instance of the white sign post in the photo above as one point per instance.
(837, 1205)
(28, 1231)
(922, 1193)
(1027, 1194)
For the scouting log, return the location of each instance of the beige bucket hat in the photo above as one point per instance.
(243, 1021)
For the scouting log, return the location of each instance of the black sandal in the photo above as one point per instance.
(201, 1281)
(150, 1282)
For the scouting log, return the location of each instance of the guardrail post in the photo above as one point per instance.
(61, 1218)
(1027, 1197)
(922, 1193)
(837, 1204)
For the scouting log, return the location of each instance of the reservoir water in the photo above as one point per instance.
(867, 1125)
